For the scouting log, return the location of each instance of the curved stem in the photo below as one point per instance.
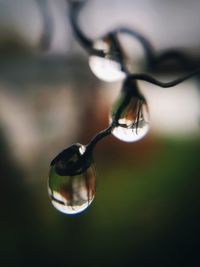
(153, 59)
(97, 138)
(74, 8)
(118, 49)
(87, 43)
(150, 79)
(148, 48)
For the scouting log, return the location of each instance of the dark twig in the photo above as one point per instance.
(148, 78)
(97, 138)
(153, 59)
(74, 9)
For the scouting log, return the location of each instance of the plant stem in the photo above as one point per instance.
(102, 134)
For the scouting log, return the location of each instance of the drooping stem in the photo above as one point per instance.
(87, 43)
(102, 134)
(150, 79)
(148, 48)
(153, 59)
(74, 9)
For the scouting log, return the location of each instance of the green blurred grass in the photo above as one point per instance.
(146, 213)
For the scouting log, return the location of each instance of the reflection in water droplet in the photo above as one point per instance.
(132, 123)
(72, 180)
(109, 67)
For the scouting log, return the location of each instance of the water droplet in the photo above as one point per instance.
(131, 117)
(72, 180)
(108, 67)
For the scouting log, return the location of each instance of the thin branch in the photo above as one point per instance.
(150, 79)
(74, 9)
(148, 48)
(97, 138)
(153, 59)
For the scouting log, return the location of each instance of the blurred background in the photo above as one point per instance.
(146, 209)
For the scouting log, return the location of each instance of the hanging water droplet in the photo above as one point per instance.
(72, 180)
(109, 65)
(130, 116)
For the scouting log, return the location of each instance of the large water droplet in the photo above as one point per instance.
(108, 67)
(132, 121)
(72, 180)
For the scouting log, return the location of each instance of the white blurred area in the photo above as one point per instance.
(174, 111)
(46, 117)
